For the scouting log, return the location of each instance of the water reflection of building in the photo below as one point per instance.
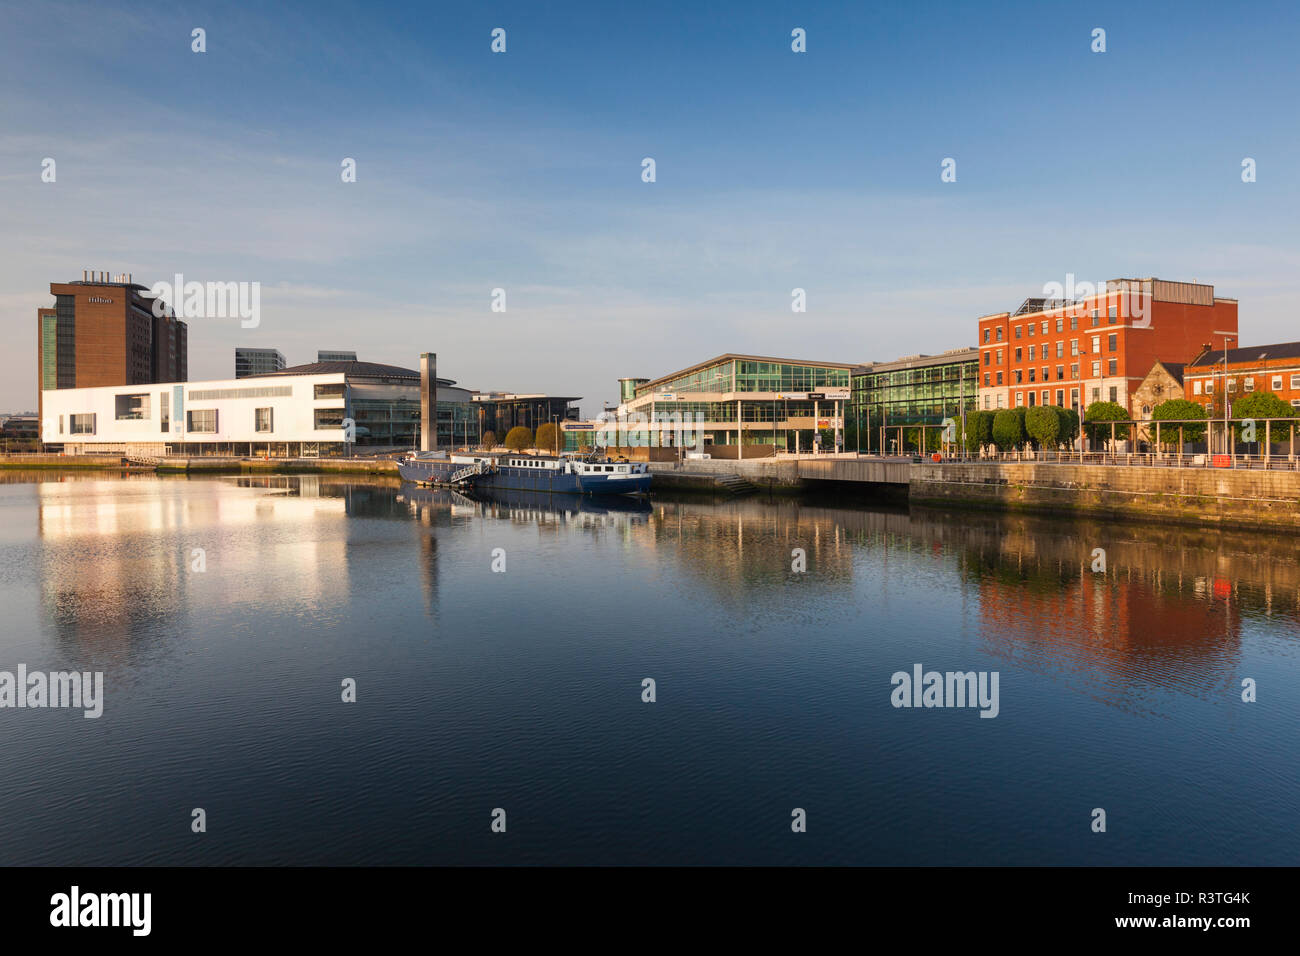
(117, 560)
(1166, 611)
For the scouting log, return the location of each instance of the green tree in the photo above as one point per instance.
(489, 439)
(1177, 409)
(1097, 416)
(1008, 432)
(1258, 406)
(1069, 424)
(1043, 425)
(519, 438)
(979, 430)
(548, 438)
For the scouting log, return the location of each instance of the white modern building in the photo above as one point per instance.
(326, 408)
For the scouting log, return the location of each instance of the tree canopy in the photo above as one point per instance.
(519, 438)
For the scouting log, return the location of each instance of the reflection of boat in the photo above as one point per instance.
(565, 474)
(538, 501)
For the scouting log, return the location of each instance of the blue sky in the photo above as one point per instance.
(522, 171)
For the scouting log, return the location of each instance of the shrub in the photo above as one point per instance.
(489, 439)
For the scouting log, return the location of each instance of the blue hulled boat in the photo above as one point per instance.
(564, 474)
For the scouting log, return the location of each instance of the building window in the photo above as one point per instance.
(986, 379)
(1060, 323)
(1060, 373)
(328, 390)
(1209, 386)
(986, 336)
(1047, 397)
(1096, 395)
(1096, 370)
(1031, 352)
(1031, 399)
(201, 420)
(1074, 398)
(263, 419)
(986, 401)
(1019, 376)
(1295, 403)
(1111, 367)
(82, 424)
(1074, 346)
(1019, 354)
(1295, 381)
(164, 413)
(1114, 393)
(999, 378)
(1096, 344)
(1249, 384)
(131, 408)
(1277, 383)
(328, 418)
(1060, 398)
(1232, 384)
(998, 333)
(60, 424)
(1031, 375)
(1196, 387)
(999, 356)
(1020, 399)
(1112, 313)
(1031, 330)
(1074, 322)
(1046, 377)
(1002, 400)
(1060, 349)
(1112, 342)
(987, 356)
(1074, 371)
(1018, 331)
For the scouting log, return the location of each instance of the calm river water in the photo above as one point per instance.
(227, 613)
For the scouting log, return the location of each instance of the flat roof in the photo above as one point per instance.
(737, 356)
(949, 357)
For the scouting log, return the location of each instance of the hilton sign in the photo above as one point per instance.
(99, 300)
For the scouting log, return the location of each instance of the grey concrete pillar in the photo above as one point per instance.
(429, 401)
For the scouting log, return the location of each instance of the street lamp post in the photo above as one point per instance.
(1227, 337)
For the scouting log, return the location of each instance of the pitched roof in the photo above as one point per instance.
(1256, 353)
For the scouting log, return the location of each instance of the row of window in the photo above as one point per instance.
(1112, 316)
(1112, 368)
(1045, 398)
(1248, 384)
(994, 356)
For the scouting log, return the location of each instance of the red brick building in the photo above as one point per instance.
(1260, 368)
(1096, 348)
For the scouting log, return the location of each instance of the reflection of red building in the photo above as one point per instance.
(1148, 624)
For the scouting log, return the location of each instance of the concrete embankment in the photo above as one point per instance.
(68, 462)
(279, 466)
(1200, 496)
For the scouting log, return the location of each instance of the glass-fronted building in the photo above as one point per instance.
(249, 361)
(914, 390)
(734, 400)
